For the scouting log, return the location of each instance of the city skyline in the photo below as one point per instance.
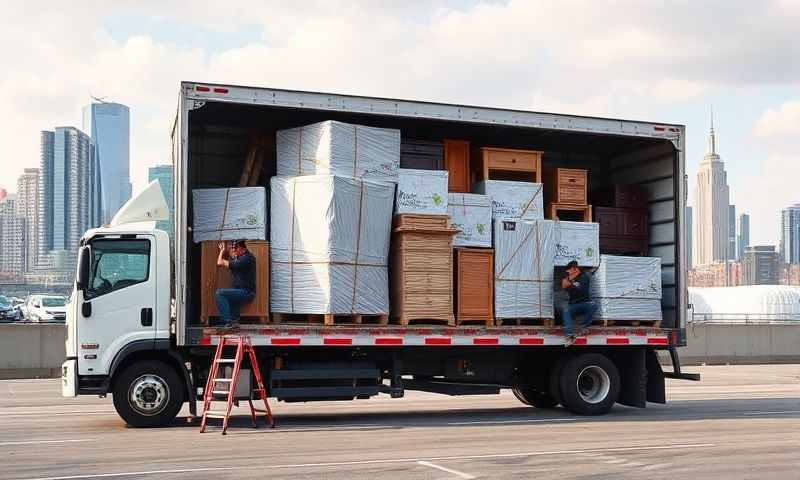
(711, 210)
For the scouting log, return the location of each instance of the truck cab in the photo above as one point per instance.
(118, 316)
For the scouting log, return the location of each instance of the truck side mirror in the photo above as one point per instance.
(82, 278)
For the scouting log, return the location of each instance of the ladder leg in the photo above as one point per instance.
(212, 374)
(262, 391)
(232, 392)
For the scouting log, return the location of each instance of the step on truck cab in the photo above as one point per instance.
(133, 320)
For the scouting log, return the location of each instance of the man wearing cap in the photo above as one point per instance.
(242, 265)
(576, 283)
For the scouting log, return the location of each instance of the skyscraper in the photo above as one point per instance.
(65, 193)
(689, 237)
(790, 234)
(760, 265)
(731, 232)
(28, 208)
(163, 173)
(12, 240)
(711, 207)
(108, 125)
(743, 240)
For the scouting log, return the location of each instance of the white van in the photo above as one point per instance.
(46, 308)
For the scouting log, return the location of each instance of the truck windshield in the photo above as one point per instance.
(117, 264)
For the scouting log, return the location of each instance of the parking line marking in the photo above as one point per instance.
(492, 422)
(34, 442)
(772, 413)
(381, 461)
(448, 470)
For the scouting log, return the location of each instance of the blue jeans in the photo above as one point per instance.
(588, 309)
(229, 300)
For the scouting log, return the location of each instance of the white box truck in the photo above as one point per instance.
(133, 319)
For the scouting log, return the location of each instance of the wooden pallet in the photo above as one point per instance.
(543, 322)
(405, 321)
(628, 323)
(489, 322)
(330, 318)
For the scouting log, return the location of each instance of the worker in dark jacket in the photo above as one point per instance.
(576, 283)
(242, 265)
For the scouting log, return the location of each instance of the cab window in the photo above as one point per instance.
(116, 264)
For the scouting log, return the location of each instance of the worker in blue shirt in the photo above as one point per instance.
(242, 265)
(576, 283)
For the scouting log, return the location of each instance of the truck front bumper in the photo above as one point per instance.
(69, 378)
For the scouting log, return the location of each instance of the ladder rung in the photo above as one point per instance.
(213, 414)
(220, 392)
(225, 360)
(223, 379)
(258, 410)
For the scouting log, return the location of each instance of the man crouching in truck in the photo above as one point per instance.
(242, 265)
(576, 283)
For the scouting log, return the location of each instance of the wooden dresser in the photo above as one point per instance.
(213, 277)
(565, 189)
(621, 196)
(473, 282)
(506, 164)
(623, 231)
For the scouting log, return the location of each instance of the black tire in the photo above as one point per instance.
(554, 380)
(590, 384)
(148, 380)
(533, 397)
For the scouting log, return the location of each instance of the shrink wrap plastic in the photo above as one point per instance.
(472, 214)
(329, 245)
(579, 241)
(515, 200)
(337, 148)
(421, 191)
(229, 214)
(523, 265)
(627, 288)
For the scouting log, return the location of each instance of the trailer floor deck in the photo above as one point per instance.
(739, 422)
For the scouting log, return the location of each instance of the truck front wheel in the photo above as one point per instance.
(590, 384)
(148, 394)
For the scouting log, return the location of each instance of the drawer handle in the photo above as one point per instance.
(572, 180)
(513, 160)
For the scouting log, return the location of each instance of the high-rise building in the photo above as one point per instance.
(711, 207)
(743, 238)
(28, 208)
(65, 192)
(12, 240)
(108, 125)
(790, 234)
(163, 173)
(731, 232)
(760, 265)
(689, 237)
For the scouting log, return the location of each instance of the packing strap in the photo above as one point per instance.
(530, 202)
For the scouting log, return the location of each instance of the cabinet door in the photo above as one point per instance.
(635, 223)
(609, 220)
(475, 283)
(456, 161)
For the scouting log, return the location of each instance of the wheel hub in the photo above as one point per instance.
(148, 394)
(594, 384)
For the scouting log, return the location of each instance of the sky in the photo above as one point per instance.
(646, 60)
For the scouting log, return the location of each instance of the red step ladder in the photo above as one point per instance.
(215, 386)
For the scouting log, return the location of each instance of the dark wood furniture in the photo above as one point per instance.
(213, 277)
(623, 231)
(621, 196)
(490, 163)
(473, 281)
(421, 154)
(456, 162)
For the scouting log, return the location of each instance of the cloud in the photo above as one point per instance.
(781, 123)
(629, 59)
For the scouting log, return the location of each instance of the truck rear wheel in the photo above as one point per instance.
(590, 384)
(533, 397)
(148, 394)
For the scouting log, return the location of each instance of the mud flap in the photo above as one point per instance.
(633, 373)
(656, 391)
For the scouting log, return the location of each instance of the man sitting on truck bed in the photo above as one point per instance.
(242, 265)
(576, 283)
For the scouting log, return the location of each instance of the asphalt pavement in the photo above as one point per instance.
(738, 422)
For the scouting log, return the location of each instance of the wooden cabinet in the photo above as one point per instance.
(422, 154)
(473, 273)
(566, 186)
(213, 277)
(621, 196)
(508, 164)
(623, 231)
(456, 161)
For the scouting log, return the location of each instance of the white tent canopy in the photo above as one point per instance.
(753, 302)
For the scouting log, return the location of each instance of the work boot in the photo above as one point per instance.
(569, 340)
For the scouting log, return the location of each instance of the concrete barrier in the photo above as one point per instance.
(721, 343)
(31, 350)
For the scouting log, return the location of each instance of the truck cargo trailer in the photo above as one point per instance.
(140, 335)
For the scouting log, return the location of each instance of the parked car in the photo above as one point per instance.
(46, 308)
(8, 313)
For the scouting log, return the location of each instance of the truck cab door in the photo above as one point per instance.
(117, 306)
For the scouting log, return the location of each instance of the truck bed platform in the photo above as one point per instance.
(431, 336)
